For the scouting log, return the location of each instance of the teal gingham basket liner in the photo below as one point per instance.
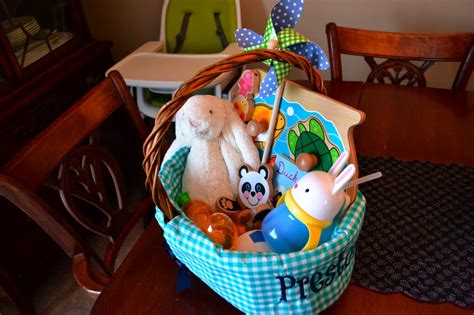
(249, 280)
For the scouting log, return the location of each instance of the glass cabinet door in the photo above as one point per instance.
(35, 28)
(2, 76)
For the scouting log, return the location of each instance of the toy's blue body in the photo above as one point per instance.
(307, 214)
(284, 233)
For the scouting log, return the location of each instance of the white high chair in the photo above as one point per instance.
(151, 69)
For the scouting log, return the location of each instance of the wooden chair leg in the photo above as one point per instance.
(23, 303)
(91, 281)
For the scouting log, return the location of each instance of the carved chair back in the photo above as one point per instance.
(67, 156)
(399, 49)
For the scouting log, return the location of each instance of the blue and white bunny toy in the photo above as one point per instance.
(308, 208)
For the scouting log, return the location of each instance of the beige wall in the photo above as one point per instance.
(128, 23)
(131, 23)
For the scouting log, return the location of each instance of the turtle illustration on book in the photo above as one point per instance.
(312, 141)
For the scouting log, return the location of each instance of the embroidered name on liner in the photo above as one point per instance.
(318, 279)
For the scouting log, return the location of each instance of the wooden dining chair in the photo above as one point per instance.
(86, 180)
(399, 49)
(22, 302)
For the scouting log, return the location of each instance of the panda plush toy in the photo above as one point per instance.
(255, 192)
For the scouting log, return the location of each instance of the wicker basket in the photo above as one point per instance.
(269, 283)
(154, 145)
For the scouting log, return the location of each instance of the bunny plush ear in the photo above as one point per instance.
(179, 130)
(181, 116)
(343, 178)
(180, 141)
(236, 134)
(337, 167)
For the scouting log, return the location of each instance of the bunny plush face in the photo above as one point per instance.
(202, 116)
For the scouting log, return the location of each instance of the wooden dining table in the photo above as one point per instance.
(408, 123)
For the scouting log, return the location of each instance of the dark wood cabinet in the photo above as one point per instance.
(48, 60)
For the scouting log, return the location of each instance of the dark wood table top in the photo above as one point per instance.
(407, 123)
(427, 124)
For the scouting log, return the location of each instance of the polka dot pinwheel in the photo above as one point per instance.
(279, 34)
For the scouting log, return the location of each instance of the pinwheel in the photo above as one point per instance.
(279, 34)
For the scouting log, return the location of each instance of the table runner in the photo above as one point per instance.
(418, 234)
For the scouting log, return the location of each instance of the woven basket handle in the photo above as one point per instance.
(154, 147)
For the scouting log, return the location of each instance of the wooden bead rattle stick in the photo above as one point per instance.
(306, 161)
(254, 128)
(272, 124)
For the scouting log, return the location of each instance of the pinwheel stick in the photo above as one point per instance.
(272, 124)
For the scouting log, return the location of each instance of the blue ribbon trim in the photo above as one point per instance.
(183, 281)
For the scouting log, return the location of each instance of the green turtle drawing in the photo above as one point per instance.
(314, 141)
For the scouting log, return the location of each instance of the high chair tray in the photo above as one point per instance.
(166, 72)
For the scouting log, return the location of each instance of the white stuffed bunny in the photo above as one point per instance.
(219, 146)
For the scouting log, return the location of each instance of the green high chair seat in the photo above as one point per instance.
(208, 26)
(194, 34)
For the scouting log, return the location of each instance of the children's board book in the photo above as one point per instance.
(308, 122)
(285, 174)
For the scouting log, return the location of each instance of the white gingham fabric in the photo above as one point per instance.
(303, 282)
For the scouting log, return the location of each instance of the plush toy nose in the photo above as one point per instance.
(252, 193)
(195, 123)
